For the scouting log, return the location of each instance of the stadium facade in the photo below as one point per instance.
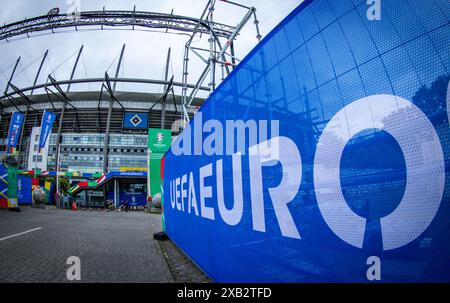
(83, 130)
(82, 142)
(99, 136)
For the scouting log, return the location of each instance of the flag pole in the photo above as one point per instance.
(7, 139)
(149, 195)
(57, 170)
(57, 178)
(39, 146)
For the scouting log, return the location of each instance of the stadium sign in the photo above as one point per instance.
(133, 120)
(159, 141)
(409, 220)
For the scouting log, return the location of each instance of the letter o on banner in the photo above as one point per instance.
(425, 169)
(448, 101)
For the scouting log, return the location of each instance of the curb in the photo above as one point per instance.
(169, 274)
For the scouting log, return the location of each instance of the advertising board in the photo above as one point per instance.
(133, 120)
(324, 156)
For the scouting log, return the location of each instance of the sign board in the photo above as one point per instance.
(133, 120)
(12, 187)
(124, 168)
(323, 156)
(159, 141)
(133, 198)
(131, 174)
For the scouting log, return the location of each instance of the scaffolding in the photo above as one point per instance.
(109, 19)
(220, 53)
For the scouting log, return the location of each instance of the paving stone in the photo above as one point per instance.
(181, 267)
(112, 247)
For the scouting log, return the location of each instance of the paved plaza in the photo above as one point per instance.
(112, 246)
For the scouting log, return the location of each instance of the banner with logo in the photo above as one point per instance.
(48, 119)
(8, 186)
(15, 128)
(3, 186)
(159, 141)
(135, 120)
(133, 198)
(324, 156)
(12, 187)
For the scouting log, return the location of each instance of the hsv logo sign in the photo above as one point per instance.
(324, 156)
(135, 120)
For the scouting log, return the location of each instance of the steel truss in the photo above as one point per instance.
(217, 54)
(112, 19)
(220, 37)
(20, 97)
(98, 80)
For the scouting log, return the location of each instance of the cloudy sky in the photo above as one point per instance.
(145, 53)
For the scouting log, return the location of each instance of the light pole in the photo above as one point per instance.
(57, 176)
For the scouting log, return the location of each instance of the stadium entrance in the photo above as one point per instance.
(121, 188)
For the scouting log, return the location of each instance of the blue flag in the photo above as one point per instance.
(46, 127)
(15, 128)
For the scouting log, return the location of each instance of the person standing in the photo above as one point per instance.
(125, 205)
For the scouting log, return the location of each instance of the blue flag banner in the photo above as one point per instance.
(15, 128)
(24, 190)
(46, 127)
(325, 155)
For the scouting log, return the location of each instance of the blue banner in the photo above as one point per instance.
(130, 174)
(324, 155)
(15, 128)
(133, 198)
(135, 120)
(24, 190)
(46, 127)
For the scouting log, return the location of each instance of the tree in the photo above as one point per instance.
(432, 99)
(63, 185)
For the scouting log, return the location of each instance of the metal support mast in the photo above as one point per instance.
(163, 105)
(212, 50)
(217, 52)
(28, 104)
(12, 75)
(63, 109)
(108, 19)
(108, 121)
(9, 82)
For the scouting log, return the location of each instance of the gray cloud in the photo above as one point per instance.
(145, 51)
